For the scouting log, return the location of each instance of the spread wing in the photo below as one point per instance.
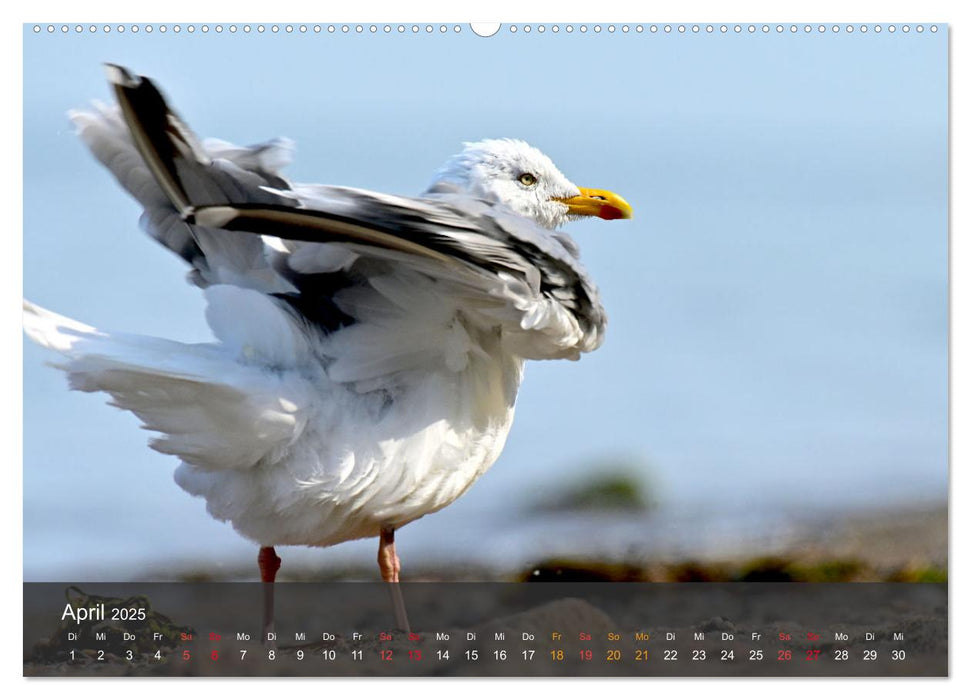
(389, 282)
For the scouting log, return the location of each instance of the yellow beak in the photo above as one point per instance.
(599, 203)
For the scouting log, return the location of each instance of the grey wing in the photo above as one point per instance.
(155, 157)
(506, 271)
(388, 266)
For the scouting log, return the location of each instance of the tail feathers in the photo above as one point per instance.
(207, 423)
(52, 330)
(211, 411)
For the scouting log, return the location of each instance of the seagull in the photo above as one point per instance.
(369, 347)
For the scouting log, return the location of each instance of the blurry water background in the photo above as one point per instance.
(777, 348)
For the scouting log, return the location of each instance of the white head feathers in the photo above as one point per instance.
(514, 173)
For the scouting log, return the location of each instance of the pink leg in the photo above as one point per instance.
(388, 560)
(390, 567)
(269, 564)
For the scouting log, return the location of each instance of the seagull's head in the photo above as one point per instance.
(526, 180)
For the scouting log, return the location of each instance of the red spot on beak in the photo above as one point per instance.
(609, 213)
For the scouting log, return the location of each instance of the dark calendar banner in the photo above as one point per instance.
(479, 629)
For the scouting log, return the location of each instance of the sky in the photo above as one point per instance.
(778, 306)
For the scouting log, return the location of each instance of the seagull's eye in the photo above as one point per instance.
(527, 179)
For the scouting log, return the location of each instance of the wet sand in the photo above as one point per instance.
(905, 543)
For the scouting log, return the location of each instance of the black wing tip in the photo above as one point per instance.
(121, 76)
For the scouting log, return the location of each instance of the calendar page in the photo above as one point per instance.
(543, 349)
